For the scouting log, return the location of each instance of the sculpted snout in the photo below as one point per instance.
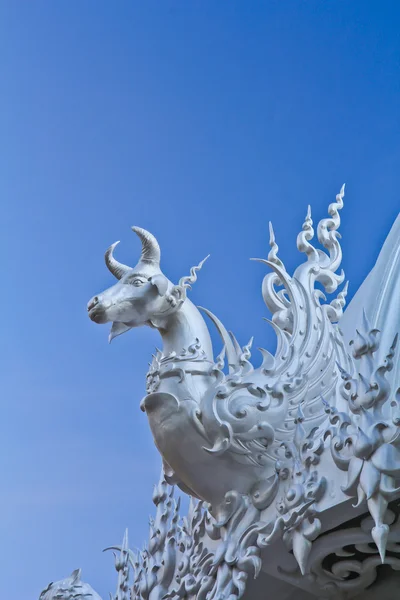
(92, 303)
(117, 303)
(97, 310)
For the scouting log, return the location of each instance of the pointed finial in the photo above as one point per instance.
(186, 282)
(380, 535)
(76, 575)
(247, 347)
(125, 545)
(273, 253)
(307, 225)
(301, 550)
(306, 234)
(271, 234)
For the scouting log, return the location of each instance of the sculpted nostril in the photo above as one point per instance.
(93, 302)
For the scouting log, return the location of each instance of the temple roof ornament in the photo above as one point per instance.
(292, 465)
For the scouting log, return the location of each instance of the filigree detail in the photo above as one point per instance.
(303, 488)
(121, 563)
(344, 562)
(248, 413)
(366, 443)
(69, 589)
(153, 567)
(174, 364)
(237, 557)
(178, 564)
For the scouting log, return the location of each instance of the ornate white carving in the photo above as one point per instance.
(366, 440)
(212, 555)
(176, 560)
(297, 519)
(344, 562)
(252, 411)
(70, 588)
(252, 443)
(234, 421)
(198, 556)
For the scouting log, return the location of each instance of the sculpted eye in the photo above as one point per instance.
(134, 279)
(137, 282)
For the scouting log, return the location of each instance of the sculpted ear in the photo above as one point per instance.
(161, 283)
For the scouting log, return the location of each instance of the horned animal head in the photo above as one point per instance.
(143, 294)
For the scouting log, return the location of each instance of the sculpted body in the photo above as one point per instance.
(144, 296)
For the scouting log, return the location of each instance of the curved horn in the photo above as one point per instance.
(151, 252)
(116, 268)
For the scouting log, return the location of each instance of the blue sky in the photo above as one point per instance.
(200, 121)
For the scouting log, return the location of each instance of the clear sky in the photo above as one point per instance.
(200, 121)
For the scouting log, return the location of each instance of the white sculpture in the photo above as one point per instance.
(283, 453)
(234, 422)
(71, 588)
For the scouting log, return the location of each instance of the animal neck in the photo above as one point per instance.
(180, 329)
